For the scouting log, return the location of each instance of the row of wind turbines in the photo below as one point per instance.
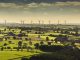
(38, 22)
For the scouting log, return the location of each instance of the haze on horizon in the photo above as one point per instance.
(14, 13)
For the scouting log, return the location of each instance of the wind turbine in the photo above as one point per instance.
(31, 22)
(58, 22)
(43, 22)
(5, 22)
(21, 21)
(49, 22)
(39, 22)
(65, 22)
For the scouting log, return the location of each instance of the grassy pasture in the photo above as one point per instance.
(15, 55)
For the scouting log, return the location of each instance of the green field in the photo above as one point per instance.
(15, 55)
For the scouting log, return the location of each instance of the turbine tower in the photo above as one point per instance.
(5, 22)
(39, 22)
(49, 22)
(58, 22)
(31, 22)
(65, 22)
(43, 22)
(21, 21)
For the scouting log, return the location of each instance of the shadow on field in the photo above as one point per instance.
(52, 52)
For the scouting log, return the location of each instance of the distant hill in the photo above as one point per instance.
(36, 1)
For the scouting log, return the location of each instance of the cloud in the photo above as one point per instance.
(36, 5)
(8, 5)
(32, 5)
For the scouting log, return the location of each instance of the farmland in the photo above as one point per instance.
(21, 41)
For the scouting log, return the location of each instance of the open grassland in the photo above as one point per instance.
(15, 55)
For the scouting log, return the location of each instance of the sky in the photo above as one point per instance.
(59, 11)
(36, 1)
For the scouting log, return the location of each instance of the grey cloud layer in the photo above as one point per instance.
(35, 5)
(36, 1)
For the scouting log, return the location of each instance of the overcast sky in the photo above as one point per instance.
(15, 12)
(36, 1)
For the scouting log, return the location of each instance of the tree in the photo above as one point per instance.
(47, 38)
(19, 45)
(36, 46)
(24, 45)
(0, 31)
(42, 43)
(5, 44)
(14, 37)
(30, 42)
(39, 36)
(76, 29)
(73, 44)
(2, 48)
(49, 42)
(11, 34)
(58, 29)
(56, 40)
